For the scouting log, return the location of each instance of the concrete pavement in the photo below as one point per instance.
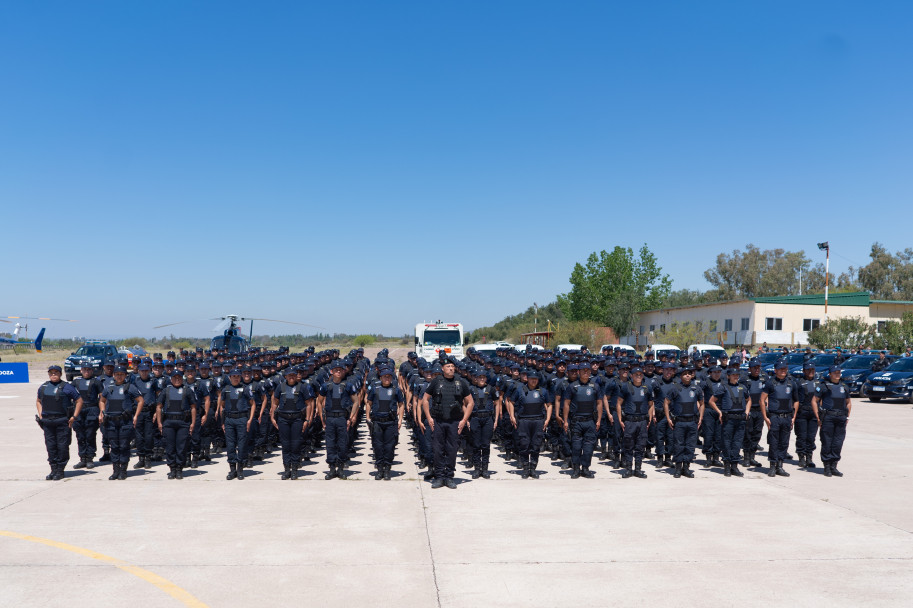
(802, 540)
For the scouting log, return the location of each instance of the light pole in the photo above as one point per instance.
(827, 271)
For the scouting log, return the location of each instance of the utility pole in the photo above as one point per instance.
(536, 318)
(827, 272)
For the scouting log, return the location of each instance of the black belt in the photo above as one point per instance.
(382, 418)
(290, 415)
(336, 415)
(634, 418)
(685, 418)
(755, 408)
(50, 417)
(481, 415)
(782, 414)
(117, 417)
(539, 416)
(582, 416)
(237, 414)
(178, 416)
(834, 412)
(734, 415)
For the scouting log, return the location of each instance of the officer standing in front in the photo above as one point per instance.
(447, 405)
(145, 424)
(486, 414)
(635, 408)
(806, 421)
(337, 412)
(732, 407)
(86, 424)
(531, 408)
(59, 405)
(779, 406)
(754, 381)
(582, 418)
(384, 408)
(684, 408)
(117, 404)
(236, 410)
(174, 416)
(833, 406)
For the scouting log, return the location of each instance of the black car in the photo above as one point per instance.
(896, 382)
(822, 361)
(92, 354)
(857, 369)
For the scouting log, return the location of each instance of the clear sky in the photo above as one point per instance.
(363, 166)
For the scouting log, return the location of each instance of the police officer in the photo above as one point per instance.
(236, 410)
(805, 422)
(174, 415)
(86, 424)
(779, 406)
(663, 389)
(336, 408)
(635, 408)
(711, 425)
(486, 414)
(447, 405)
(120, 405)
(530, 409)
(582, 418)
(754, 381)
(684, 408)
(732, 407)
(145, 423)
(384, 409)
(834, 406)
(59, 405)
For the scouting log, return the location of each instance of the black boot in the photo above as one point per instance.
(727, 470)
(780, 471)
(486, 474)
(587, 473)
(115, 472)
(58, 473)
(106, 457)
(686, 470)
(638, 472)
(232, 471)
(627, 472)
(340, 472)
(386, 472)
(668, 462)
(834, 470)
(809, 463)
(678, 470)
(773, 469)
(171, 472)
(660, 461)
(50, 476)
(140, 462)
(575, 471)
(123, 471)
(207, 455)
(735, 470)
(752, 461)
(81, 464)
(179, 472)
(194, 460)
(827, 469)
(801, 461)
(525, 472)
(476, 473)
(90, 463)
(287, 473)
(745, 461)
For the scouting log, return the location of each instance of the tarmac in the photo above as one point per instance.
(806, 540)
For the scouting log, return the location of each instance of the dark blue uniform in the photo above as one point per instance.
(176, 405)
(806, 423)
(664, 448)
(291, 414)
(685, 404)
(236, 411)
(481, 426)
(636, 402)
(732, 403)
(86, 424)
(834, 414)
(583, 401)
(530, 406)
(336, 411)
(754, 426)
(58, 402)
(120, 403)
(781, 400)
(446, 408)
(710, 425)
(145, 424)
(385, 402)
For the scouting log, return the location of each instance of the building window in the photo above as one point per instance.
(727, 325)
(652, 328)
(774, 324)
(713, 326)
(745, 321)
(641, 330)
(662, 328)
(881, 326)
(810, 324)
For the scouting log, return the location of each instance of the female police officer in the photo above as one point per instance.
(293, 403)
(535, 410)
(384, 410)
(236, 410)
(833, 407)
(56, 414)
(117, 414)
(175, 414)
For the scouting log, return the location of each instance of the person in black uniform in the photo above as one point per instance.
(732, 407)
(86, 424)
(337, 417)
(145, 423)
(806, 421)
(530, 409)
(711, 426)
(120, 405)
(174, 416)
(635, 408)
(663, 389)
(754, 381)
(59, 405)
(582, 418)
(779, 406)
(384, 409)
(236, 410)
(447, 405)
(684, 408)
(833, 406)
(486, 414)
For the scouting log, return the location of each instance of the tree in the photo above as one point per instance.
(683, 335)
(888, 277)
(690, 297)
(896, 335)
(772, 272)
(845, 332)
(613, 287)
(363, 340)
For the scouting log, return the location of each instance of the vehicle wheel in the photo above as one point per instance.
(875, 398)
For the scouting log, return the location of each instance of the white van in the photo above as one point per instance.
(487, 350)
(715, 351)
(628, 349)
(670, 350)
(561, 347)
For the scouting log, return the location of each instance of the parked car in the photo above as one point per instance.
(896, 382)
(94, 354)
(857, 369)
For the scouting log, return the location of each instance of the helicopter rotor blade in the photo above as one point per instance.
(225, 324)
(280, 321)
(41, 319)
(179, 322)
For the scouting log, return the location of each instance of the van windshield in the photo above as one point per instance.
(442, 337)
(91, 351)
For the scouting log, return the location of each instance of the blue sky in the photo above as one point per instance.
(163, 161)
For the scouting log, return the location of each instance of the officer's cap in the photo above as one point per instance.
(158, 364)
(143, 368)
(177, 373)
(289, 371)
(533, 376)
(205, 366)
(808, 365)
(754, 363)
(385, 372)
(688, 368)
(108, 364)
(235, 372)
(781, 365)
(637, 370)
(337, 364)
(724, 356)
(732, 371)
(55, 368)
(120, 369)
(668, 365)
(716, 368)
(834, 368)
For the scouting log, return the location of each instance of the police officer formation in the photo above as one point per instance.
(574, 406)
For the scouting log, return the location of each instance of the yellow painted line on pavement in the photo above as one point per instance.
(150, 577)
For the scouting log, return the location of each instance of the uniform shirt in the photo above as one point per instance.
(833, 396)
(755, 386)
(780, 394)
(338, 396)
(583, 398)
(89, 389)
(635, 399)
(531, 402)
(146, 388)
(734, 398)
(685, 400)
(446, 398)
(483, 399)
(713, 388)
(807, 389)
(236, 399)
(121, 398)
(57, 398)
(176, 399)
(384, 399)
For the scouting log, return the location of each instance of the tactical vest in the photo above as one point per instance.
(382, 404)
(807, 389)
(445, 402)
(734, 398)
(483, 399)
(177, 400)
(637, 400)
(781, 398)
(290, 398)
(583, 399)
(686, 401)
(53, 401)
(532, 402)
(833, 397)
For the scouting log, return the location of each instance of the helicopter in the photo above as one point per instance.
(232, 340)
(16, 341)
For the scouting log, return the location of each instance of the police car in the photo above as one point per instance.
(896, 382)
(857, 369)
(94, 354)
(821, 361)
